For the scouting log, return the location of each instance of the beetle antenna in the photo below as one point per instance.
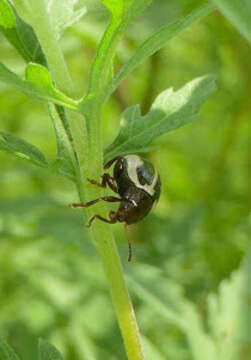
(129, 251)
(129, 244)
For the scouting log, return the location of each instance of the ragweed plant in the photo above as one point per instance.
(34, 27)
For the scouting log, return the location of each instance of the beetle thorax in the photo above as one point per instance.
(141, 173)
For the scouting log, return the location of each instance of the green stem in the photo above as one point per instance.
(89, 155)
(40, 21)
(92, 104)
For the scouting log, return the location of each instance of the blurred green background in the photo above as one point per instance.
(51, 280)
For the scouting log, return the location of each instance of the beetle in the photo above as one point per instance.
(138, 184)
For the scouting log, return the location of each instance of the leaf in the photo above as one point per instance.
(201, 343)
(48, 351)
(7, 17)
(38, 84)
(239, 13)
(170, 111)
(165, 298)
(157, 41)
(40, 78)
(63, 14)
(6, 353)
(23, 38)
(22, 149)
(230, 314)
(30, 42)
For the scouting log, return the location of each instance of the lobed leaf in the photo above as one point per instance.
(157, 41)
(38, 84)
(22, 149)
(170, 110)
(239, 13)
(48, 351)
(6, 353)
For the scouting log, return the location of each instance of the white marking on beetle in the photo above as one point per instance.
(134, 202)
(134, 161)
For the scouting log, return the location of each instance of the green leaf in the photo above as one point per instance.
(6, 353)
(165, 298)
(169, 111)
(239, 13)
(22, 149)
(23, 38)
(38, 84)
(48, 351)
(40, 78)
(29, 42)
(201, 343)
(63, 14)
(7, 16)
(230, 314)
(157, 41)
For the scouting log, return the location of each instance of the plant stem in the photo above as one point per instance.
(40, 21)
(42, 26)
(90, 161)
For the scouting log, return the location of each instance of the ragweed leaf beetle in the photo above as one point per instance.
(138, 184)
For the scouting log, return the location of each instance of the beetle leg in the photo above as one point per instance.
(129, 244)
(112, 220)
(109, 164)
(92, 202)
(106, 180)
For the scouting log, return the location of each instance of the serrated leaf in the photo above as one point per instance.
(230, 314)
(7, 16)
(170, 110)
(38, 84)
(157, 41)
(63, 14)
(22, 149)
(6, 353)
(48, 351)
(239, 13)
